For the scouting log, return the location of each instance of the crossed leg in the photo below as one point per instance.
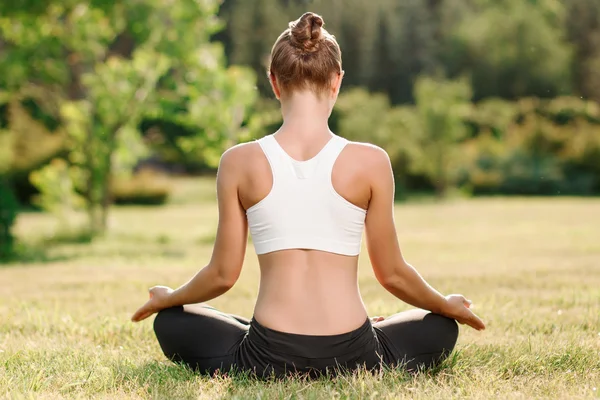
(417, 338)
(200, 336)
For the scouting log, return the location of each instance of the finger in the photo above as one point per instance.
(475, 322)
(143, 310)
(144, 316)
(136, 316)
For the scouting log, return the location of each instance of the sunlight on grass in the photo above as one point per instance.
(531, 267)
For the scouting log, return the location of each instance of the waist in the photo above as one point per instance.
(311, 317)
(312, 346)
(310, 298)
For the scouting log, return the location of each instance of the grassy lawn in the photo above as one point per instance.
(532, 267)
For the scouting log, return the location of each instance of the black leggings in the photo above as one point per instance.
(208, 340)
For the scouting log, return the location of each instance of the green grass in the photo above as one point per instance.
(532, 267)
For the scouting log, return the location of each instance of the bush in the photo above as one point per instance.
(29, 145)
(57, 190)
(544, 147)
(147, 187)
(368, 117)
(422, 141)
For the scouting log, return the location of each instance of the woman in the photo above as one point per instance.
(306, 195)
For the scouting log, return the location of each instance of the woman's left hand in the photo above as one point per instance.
(159, 296)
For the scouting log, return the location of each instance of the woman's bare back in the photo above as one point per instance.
(308, 291)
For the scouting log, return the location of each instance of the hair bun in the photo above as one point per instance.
(306, 33)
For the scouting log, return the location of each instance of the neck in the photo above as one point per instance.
(305, 114)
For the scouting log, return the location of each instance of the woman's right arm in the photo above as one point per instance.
(391, 270)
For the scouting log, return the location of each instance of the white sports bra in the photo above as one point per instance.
(303, 210)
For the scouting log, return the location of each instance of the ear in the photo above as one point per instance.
(336, 83)
(274, 85)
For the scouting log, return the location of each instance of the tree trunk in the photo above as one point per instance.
(89, 192)
(105, 184)
(440, 189)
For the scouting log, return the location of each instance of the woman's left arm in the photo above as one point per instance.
(229, 250)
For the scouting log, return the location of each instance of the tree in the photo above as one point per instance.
(413, 37)
(583, 25)
(253, 26)
(512, 49)
(441, 107)
(101, 67)
(368, 117)
(8, 203)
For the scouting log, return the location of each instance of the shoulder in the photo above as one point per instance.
(240, 152)
(372, 157)
(240, 156)
(235, 162)
(241, 162)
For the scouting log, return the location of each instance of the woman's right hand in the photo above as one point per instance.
(458, 308)
(159, 296)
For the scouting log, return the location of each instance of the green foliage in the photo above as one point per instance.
(353, 125)
(86, 76)
(58, 195)
(365, 117)
(530, 147)
(6, 151)
(265, 117)
(25, 142)
(421, 140)
(536, 147)
(199, 126)
(512, 49)
(404, 26)
(441, 109)
(583, 29)
(104, 67)
(250, 33)
(8, 215)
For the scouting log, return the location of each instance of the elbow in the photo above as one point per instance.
(223, 279)
(395, 279)
(227, 283)
(391, 282)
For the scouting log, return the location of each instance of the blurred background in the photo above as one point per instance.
(106, 103)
